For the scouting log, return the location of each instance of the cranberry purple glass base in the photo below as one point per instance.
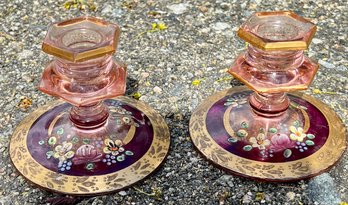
(266, 133)
(306, 140)
(92, 144)
(54, 154)
(63, 148)
(290, 138)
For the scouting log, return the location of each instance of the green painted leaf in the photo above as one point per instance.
(49, 154)
(90, 166)
(232, 140)
(297, 123)
(86, 141)
(242, 133)
(272, 130)
(287, 153)
(310, 136)
(247, 148)
(310, 143)
(244, 125)
(118, 122)
(60, 131)
(120, 158)
(129, 153)
(75, 140)
(52, 140)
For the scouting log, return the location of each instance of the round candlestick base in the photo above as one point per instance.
(49, 151)
(306, 140)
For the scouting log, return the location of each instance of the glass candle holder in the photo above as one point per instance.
(266, 133)
(94, 143)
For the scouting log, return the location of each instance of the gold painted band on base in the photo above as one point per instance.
(312, 165)
(89, 185)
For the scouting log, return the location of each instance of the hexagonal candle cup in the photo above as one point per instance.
(83, 72)
(274, 62)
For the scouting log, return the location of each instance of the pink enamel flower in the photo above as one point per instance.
(280, 142)
(86, 153)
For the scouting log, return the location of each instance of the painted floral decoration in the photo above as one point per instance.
(63, 152)
(235, 102)
(280, 142)
(79, 151)
(85, 154)
(70, 150)
(297, 134)
(114, 152)
(113, 147)
(260, 141)
(273, 140)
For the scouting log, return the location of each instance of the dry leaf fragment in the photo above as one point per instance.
(25, 103)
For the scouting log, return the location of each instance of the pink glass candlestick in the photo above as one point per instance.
(83, 72)
(269, 134)
(92, 144)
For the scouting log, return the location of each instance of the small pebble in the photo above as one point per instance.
(326, 64)
(178, 8)
(291, 195)
(122, 193)
(25, 54)
(246, 199)
(317, 41)
(220, 26)
(157, 90)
